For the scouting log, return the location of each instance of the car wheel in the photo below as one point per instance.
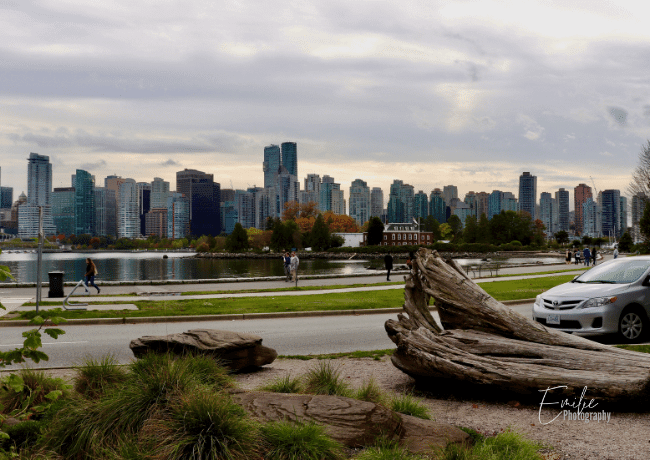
(632, 325)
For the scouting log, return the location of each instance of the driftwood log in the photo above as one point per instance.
(482, 342)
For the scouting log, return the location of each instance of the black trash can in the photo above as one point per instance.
(56, 284)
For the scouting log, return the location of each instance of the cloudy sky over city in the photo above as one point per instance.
(469, 93)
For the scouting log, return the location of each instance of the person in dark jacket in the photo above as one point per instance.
(388, 262)
(287, 266)
(593, 256)
(91, 271)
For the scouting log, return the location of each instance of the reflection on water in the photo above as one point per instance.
(126, 266)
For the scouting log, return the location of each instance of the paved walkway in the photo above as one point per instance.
(13, 297)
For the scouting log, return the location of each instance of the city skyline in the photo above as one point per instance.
(469, 93)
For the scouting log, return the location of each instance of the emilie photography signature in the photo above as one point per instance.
(571, 408)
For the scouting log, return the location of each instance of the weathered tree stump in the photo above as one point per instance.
(482, 342)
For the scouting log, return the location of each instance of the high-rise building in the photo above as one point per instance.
(39, 191)
(156, 223)
(482, 204)
(178, 216)
(272, 162)
(204, 199)
(159, 193)
(376, 202)
(548, 209)
(287, 187)
(128, 217)
(495, 203)
(144, 203)
(471, 201)
(245, 206)
(611, 213)
(624, 224)
(84, 211)
(420, 205)
(562, 200)
(312, 190)
(105, 212)
(326, 199)
(359, 201)
(591, 218)
(449, 194)
(581, 194)
(528, 194)
(401, 202)
(637, 208)
(290, 157)
(6, 197)
(437, 206)
(63, 210)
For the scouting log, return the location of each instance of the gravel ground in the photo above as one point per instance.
(625, 437)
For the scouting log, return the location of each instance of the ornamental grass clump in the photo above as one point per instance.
(298, 441)
(386, 449)
(370, 392)
(285, 384)
(29, 392)
(204, 425)
(96, 376)
(325, 379)
(409, 405)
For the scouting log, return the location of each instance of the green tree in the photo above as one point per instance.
(320, 234)
(470, 234)
(483, 231)
(281, 239)
(562, 237)
(586, 240)
(430, 224)
(375, 231)
(625, 243)
(237, 241)
(456, 226)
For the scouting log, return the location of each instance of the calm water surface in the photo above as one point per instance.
(129, 266)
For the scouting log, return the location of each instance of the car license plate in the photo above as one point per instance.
(553, 319)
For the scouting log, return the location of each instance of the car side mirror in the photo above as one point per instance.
(646, 281)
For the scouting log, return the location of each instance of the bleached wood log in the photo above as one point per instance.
(483, 342)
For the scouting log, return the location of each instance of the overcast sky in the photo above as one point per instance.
(470, 93)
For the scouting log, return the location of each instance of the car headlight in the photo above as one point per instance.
(538, 300)
(598, 302)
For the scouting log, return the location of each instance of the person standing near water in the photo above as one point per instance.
(388, 262)
(287, 266)
(294, 266)
(91, 271)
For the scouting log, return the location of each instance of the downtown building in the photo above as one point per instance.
(528, 194)
(401, 202)
(84, 197)
(359, 203)
(39, 195)
(204, 200)
(332, 198)
(581, 194)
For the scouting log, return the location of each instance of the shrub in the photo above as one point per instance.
(409, 405)
(284, 384)
(96, 376)
(504, 446)
(324, 379)
(371, 392)
(298, 441)
(202, 425)
(386, 449)
(30, 391)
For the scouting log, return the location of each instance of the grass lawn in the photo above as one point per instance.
(394, 298)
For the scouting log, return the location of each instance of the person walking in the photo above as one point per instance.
(287, 266)
(593, 256)
(294, 266)
(568, 256)
(577, 257)
(91, 272)
(388, 262)
(586, 254)
(616, 252)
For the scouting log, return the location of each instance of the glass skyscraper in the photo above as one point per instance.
(290, 157)
(528, 194)
(271, 165)
(84, 211)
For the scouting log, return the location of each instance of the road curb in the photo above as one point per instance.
(229, 317)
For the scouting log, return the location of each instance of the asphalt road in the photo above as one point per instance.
(288, 336)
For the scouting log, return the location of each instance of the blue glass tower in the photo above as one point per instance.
(290, 157)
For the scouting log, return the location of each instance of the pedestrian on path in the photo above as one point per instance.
(587, 254)
(615, 252)
(577, 256)
(294, 266)
(593, 256)
(388, 262)
(287, 266)
(91, 272)
(568, 256)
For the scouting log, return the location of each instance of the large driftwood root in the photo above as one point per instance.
(482, 342)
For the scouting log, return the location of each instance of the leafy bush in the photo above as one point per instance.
(324, 379)
(30, 392)
(95, 377)
(284, 384)
(409, 405)
(298, 441)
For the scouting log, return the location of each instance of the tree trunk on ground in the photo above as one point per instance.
(485, 343)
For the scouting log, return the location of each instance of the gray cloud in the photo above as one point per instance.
(101, 164)
(618, 115)
(169, 162)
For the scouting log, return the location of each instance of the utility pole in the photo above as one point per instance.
(39, 262)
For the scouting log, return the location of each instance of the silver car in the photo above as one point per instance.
(613, 297)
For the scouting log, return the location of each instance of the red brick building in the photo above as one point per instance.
(403, 234)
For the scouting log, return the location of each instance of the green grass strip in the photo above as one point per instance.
(365, 300)
(639, 348)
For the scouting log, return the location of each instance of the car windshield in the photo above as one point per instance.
(618, 272)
